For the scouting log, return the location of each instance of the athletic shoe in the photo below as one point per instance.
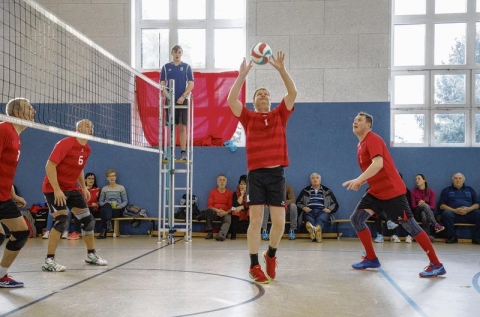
(65, 234)
(109, 226)
(291, 235)
(366, 264)
(379, 238)
(318, 233)
(46, 234)
(391, 225)
(73, 236)
(311, 230)
(8, 282)
(93, 258)
(438, 227)
(51, 265)
(395, 239)
(433, 271)
(409, 239)
(265, 235)
(257, 275)
(183, 156)
(271, 264)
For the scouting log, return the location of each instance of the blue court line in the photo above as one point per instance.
(405, 296)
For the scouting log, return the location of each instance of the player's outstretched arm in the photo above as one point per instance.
(279, 64)
(373, 169)
(235, 104)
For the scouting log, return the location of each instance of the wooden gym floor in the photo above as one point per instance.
(210, 278)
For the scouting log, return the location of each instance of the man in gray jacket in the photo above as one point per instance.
(317, 203)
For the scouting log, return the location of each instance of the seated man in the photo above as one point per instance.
(290, 215)
(219, 207)
(317, 202)
(460, 204)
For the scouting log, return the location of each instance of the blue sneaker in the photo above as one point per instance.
(265, 235)
(433, 271)
(391, 225)
(379, 238)
(8, 282)
(291, 235)
(366, 264)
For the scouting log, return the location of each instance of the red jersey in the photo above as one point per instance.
(94, 194)
(9, 155)
(387, 183)
(266, 140)
(71, 158)
(220, 200)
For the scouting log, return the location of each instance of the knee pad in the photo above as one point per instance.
(20, 237)
(358, 219)
(60, 223)
(87, 221)
(412, 227)
(2, 238)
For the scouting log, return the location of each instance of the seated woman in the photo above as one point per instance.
(423, 204)
(113, 200)
(239, 206)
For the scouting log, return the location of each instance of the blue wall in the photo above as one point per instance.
(320, 139)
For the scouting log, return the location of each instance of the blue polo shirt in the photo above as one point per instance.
(458, 197)
(182, 74)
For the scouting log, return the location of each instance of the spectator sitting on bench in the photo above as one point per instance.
(423, 204)
(291, 214)
(113, 199)
(239, 206)
(460, 204)
(317, 203)
(219, 207)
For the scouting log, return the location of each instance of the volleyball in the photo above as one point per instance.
(261, 53)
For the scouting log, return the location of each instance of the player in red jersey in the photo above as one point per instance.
(10, 215)
(267, 155)
(64, 172)
(386, 193)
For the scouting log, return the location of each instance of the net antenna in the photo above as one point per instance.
(67, 77)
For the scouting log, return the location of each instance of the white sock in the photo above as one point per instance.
(3, 271)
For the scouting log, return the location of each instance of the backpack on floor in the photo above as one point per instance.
(182, 211)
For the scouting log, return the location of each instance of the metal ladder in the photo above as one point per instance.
(174, 171)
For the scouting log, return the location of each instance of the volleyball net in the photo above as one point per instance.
(67, 77)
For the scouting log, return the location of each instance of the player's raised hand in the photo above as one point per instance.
(278, 62)
(245, 67)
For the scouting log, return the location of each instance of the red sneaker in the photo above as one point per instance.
(271, 265)
(73, 236)
(257, 275)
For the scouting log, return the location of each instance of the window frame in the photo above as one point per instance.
(173, 24)
(470, 69)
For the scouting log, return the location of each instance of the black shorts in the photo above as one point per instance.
(266, 186)
(397, 208)
(9, 210)
(181, 115)
(74, 200)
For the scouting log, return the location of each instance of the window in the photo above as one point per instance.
(211, 32)
(435, 78)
